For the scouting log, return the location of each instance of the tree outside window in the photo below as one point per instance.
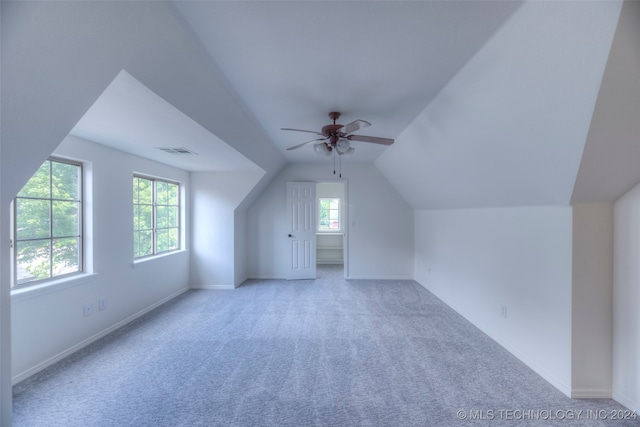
(156, 216)
(329, 214)
(47, 235)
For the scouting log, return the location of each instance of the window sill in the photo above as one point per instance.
(51, 286)
(151, 260)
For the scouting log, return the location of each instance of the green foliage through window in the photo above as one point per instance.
(48, 223)
(156, 216)
(329, 214)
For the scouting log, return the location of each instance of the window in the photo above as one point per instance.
(47, 224)
(329, 214)
(156, 216)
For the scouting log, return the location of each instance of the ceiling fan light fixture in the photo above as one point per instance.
(322, 149)
(343, 146)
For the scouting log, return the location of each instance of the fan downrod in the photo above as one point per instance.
(332, 131)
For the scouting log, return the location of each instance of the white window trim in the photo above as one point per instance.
(139, 260)
(51, 286)
(86, 252)
(146, 261)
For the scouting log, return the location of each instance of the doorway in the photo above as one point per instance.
(331, 228)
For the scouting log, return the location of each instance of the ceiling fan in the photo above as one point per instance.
(336, 138)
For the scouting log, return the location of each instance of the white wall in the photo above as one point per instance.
(481, 260)
(218, 239)
(626, 300)
(5, 321)
(58, 57)
(380, 224)
(592, 300)
(50, 325)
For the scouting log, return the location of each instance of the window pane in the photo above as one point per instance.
(167, 239)
(161, 217)
(48, 223)
(32, 219)
(173, 242)
(65, 181)
(39, 184)
(136, 217)
(173, 198)
(145, 217)
(135, 190)
(173, 216)
(156, 213)
(329, 214)
(145, 191)
(161, 193)
(33, 260)
(162, 240)
(66, 256)
(145, 243)
(66, 218)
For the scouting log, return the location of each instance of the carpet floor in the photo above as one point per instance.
(324, 352)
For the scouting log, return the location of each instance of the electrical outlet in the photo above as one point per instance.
(88, 310)
(102, 304)
(503, 311)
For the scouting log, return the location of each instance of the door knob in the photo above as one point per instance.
(290, 235)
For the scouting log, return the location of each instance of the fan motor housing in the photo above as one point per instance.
(330, 130)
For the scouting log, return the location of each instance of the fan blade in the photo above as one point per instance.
(302, 130)
(295, 147)
(373, 139)
(354, 126)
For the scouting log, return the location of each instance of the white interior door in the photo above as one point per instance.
(301, 206)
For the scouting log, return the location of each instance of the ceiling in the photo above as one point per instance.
(130, 117)
(292, 63)
(491, 103)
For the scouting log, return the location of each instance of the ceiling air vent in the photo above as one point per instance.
(180, 150)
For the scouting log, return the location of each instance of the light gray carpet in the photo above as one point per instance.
(327, 352)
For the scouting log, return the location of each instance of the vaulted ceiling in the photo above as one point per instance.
(490, 103)
(294, 62)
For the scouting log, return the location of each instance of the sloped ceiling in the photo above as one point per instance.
(293, 62)
(611, 161)
(59, 57)
(510, 128)
(490, 103)
(129, 117)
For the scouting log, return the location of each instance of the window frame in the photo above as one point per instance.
(14, 241)
(154, 229)
(339, 209)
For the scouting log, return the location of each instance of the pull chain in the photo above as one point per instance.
(334, 161)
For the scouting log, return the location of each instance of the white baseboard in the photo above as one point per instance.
(42, 365)
(588, 393)
(380, 278)
(214, 287)
(626, 402)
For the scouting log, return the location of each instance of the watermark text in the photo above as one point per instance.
(546, 414)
